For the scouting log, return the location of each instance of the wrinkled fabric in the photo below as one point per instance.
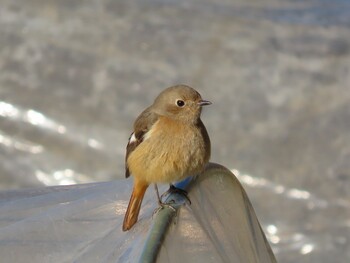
(82, 223)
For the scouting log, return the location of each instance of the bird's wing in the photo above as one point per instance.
(141, 126)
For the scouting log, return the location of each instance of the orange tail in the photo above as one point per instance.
(134, 206)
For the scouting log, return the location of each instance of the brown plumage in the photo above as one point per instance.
(168, 144)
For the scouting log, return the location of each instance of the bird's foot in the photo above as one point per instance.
(162, 206)
(173, 189)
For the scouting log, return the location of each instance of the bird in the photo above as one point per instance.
(169, 143)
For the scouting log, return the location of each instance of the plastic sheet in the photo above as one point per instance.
(83, 224)
(219, 226)
(75, 74)
(68, 224)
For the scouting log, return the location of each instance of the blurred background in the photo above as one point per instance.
(75, 74)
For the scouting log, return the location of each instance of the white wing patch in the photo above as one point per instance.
(145, 137)
(132, 138)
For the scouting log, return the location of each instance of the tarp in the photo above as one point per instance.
(82, 223)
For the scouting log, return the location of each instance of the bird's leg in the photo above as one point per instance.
(160, 203)
(173, 189)
(167, 192)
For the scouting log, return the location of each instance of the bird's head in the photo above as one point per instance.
(181, 103)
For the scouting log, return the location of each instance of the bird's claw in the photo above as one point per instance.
(173, 189)
(162, 206)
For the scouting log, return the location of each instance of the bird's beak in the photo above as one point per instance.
(204, 102)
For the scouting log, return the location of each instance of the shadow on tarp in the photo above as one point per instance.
(82, 223)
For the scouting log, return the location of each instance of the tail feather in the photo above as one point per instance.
(133, 210)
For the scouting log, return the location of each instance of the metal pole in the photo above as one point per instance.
(161, 223)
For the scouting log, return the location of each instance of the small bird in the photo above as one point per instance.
(169, 143)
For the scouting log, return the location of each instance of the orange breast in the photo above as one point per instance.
(170, 152)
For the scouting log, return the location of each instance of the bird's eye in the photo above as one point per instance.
(180, 103)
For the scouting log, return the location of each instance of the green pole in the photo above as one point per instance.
(161, 223)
